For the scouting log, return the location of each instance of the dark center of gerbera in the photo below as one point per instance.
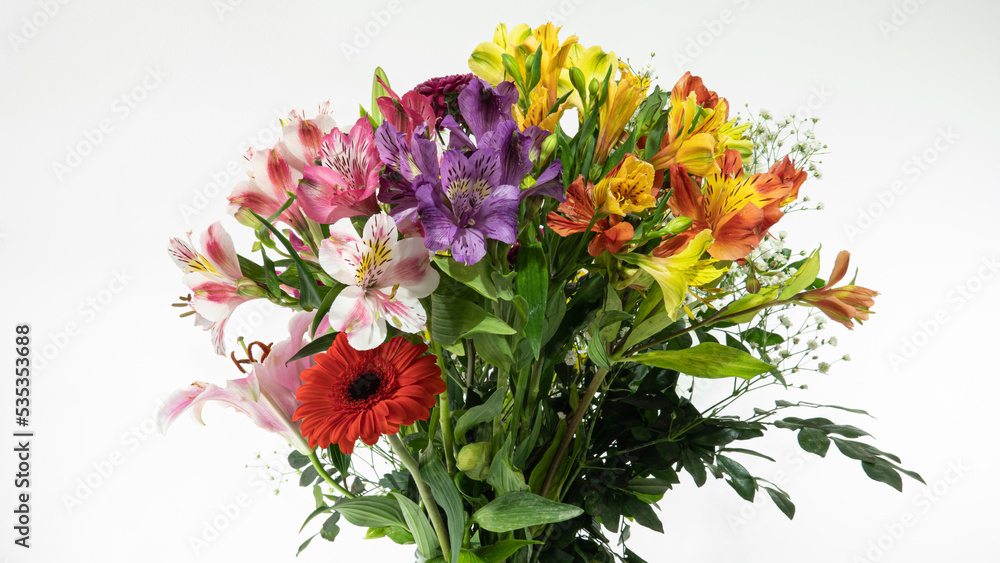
(366, 385)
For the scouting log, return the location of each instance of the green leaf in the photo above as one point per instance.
(418, 525)
(803, 277)
(339, 459)
(305, 544)
(330, 527)
(446, 495)
(814, 441)
(479, 414)
(502, 476)
(532, 283)
(782, 501)
(478, 276)
(371, 512)
(309, 475)
(881, 471)
(324, 308)
(694, 466)
(647, 328)
(501, 550)
(741, 480)
(597, 352)
(708, 360)
(494, 350)
(321, 344)
(315, 513)
(308, 296)
(748, 302)
(643, 513)
(298, 460)
(517, 510)
(453, 318)
(649, 486)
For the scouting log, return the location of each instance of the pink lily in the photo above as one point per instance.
(344, 182)
(266, 394)
(212, 276)
(385, 280)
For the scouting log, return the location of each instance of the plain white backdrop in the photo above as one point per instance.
(124, 124)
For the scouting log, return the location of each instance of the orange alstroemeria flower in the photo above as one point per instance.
(845, 303)
(790, 176)
(577, 213)
(738, 209)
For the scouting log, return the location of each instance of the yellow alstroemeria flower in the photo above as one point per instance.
(627, 188)
(624, 97)
(676, 273)
(554, 56)
(538, 112)
(486, 60)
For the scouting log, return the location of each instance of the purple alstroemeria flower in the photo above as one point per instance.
(467, 206)
(406, 161)
(514, 148)
(484, 108)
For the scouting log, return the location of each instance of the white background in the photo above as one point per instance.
(182, 87)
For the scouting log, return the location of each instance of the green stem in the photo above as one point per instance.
(444, 409)
(425, 494)
(326, 476)
(574, 423)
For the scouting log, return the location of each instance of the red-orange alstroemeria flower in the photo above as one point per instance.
(577, 213)
(738, 209)
(845, 303)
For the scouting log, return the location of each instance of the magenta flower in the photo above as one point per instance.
(443, 92)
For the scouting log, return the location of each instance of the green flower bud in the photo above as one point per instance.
(678, 225)
(246, 287)
(246, 218)
(548, 146)
(595, 86)
(474, 460)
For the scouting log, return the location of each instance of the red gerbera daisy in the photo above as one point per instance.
(351, 394)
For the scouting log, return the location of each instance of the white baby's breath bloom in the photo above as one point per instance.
(824, 367)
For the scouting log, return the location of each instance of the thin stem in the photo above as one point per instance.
(444, 410)
(425, 494)
(574, 423)
(470, 365)
(326, 476)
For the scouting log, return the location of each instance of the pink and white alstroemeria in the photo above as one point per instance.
(344, 182)
(276, 172)
(266, 395)
(211, 275)
(385, 279)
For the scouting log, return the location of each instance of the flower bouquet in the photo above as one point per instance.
(506, 284)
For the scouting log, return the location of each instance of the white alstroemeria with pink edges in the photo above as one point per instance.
(266, 394)
(385, 280)
(211, 275)
(276, 172)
